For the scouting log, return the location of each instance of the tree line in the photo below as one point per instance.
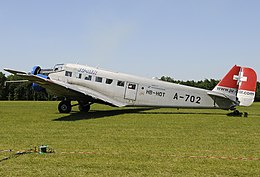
(19, 90)
(24, 91)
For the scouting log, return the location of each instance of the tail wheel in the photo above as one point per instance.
(84, 108)
(64, 107)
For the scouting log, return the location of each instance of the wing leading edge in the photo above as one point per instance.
(13, 71)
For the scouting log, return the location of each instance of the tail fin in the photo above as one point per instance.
(239, 85)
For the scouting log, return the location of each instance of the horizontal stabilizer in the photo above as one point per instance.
(218, 94)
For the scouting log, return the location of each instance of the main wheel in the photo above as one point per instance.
(237, 113)
(64, 107)
(84, 108)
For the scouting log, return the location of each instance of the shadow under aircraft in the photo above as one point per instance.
(96, 114)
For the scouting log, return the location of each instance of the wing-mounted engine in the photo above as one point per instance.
(36, 70)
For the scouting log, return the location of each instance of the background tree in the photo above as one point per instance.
(24, 91)
(257, 96)
(3, 90)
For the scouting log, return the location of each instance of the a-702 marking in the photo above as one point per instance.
(189, 98)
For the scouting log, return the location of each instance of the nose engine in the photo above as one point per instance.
(36, 70)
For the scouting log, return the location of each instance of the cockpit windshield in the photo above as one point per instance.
(58, 67)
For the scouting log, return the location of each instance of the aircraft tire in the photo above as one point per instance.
(84, 108)
(64, 107)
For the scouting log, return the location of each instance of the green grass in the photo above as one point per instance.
(129, 141)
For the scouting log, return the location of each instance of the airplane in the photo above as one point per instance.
(88, 85)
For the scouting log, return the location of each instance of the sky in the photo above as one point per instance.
(182, 39)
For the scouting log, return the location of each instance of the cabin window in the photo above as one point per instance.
(99, 79)
(89, 77)
(68, 73)
(79, 75)
(120, 83)
(131, 86)
(109, 81)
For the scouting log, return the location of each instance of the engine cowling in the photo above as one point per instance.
(36, 71)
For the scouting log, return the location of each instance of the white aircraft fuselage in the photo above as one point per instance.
(132, 90)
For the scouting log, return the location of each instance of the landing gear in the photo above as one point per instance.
(84, 107)
(237, 113)
(64, 107)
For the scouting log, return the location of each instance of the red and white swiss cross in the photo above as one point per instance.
(240, 78)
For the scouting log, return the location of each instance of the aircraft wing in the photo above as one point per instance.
(14, 71)
(71, 91)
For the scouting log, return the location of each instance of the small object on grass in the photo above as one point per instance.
(43, 149)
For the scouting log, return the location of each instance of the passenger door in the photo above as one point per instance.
(131, 91)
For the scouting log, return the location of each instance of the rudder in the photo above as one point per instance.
(246, 86)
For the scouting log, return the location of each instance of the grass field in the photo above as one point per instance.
(128, 141)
